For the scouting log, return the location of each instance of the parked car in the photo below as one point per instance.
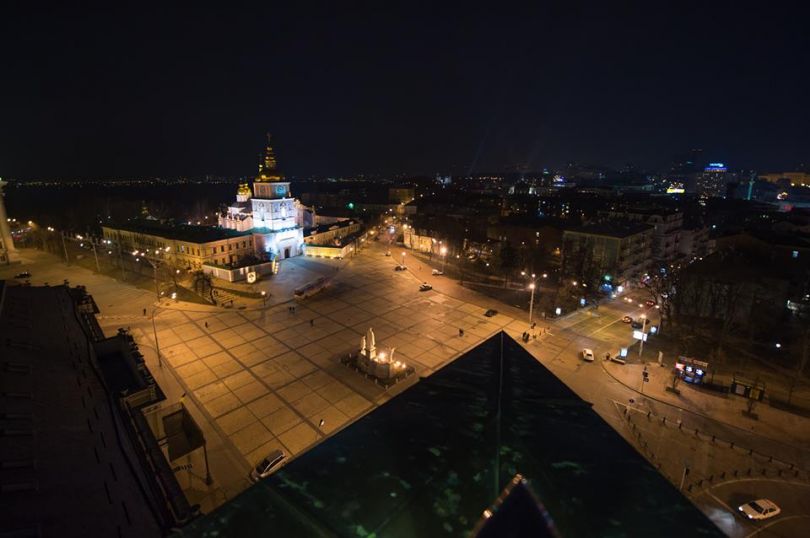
(436, 272)
(425, 287)
(266, 467)
(760, 509)
(618, 358)
(24, 274)
(627, 319)
(587, 355)
(400, 268)
(489, 313)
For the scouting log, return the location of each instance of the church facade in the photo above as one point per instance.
(268, 211)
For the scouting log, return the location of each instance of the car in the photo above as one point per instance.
(436, 272)
(618, 359)
(490, 312)
(760, 509)
(425, 287)
(266, 467)
(24, 274)
(587, 355)
(400, 268)
(627, 319)
(650, 303)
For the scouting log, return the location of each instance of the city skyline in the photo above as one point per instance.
(105, 93)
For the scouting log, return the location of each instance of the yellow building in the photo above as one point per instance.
(189, 247)
(332, 240)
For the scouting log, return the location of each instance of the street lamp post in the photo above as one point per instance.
(532, 287)
(155, 263)
(264, 298)
(64, 247)
(643, 333)
(403, 258)
(444, 257)
(95, 254)
(154, 330)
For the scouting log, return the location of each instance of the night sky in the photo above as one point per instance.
(416, 89)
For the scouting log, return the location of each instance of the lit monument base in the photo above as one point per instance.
(378, 365)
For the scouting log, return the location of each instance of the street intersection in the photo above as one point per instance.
(270, 377)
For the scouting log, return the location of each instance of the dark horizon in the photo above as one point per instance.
(385, 91)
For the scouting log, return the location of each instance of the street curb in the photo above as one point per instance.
(748, 432)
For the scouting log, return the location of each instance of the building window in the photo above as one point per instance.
(230, 247)
(222, 248)
(795, 253)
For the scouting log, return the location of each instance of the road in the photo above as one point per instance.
(251, 377)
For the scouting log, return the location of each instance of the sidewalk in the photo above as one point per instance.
(228, 472)
(773, 423)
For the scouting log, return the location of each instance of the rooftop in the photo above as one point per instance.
(63, 467)
(179, 232)
(612, 229)
(328, 227)
(432, 459)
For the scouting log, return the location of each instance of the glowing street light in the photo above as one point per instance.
(403, 258)
(443, 252)
(643, 333)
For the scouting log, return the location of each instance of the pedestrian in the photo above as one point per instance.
(534, 336)
(206, 324)
(461, 332)
(144, 312)
(312, 323)
(534, 324)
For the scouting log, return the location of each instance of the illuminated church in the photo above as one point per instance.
(275, 218)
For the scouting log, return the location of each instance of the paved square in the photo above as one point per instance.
(273, 379)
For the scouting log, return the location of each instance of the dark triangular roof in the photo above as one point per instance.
(423, 464)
